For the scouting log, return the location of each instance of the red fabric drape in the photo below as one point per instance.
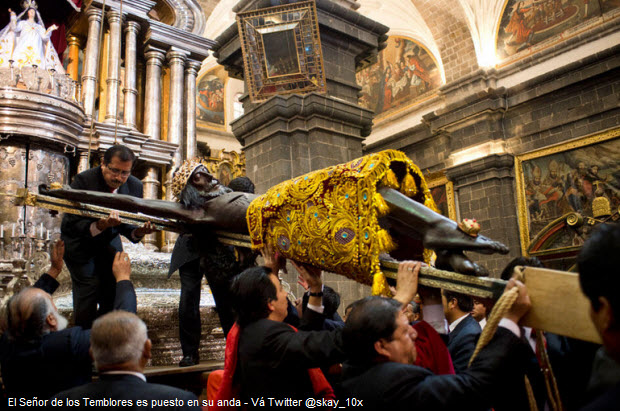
(58, 37)
(227, 390)
(432, 351)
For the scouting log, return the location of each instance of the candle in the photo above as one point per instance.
(13, 231)
(41, 230)
(48, 234)
(23, 229)
(2, 231)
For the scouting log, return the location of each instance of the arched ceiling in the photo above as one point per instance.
(459, 33)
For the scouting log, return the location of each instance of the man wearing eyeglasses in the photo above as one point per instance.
(92, 243)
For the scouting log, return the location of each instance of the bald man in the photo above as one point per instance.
(39, 356)
(121, 348)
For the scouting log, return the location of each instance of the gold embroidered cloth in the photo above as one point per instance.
(329, 218)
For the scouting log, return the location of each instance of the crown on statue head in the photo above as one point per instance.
(29, 4)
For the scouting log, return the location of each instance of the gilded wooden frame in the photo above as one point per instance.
(225, 165)
(296, 68)
(522, 205)
(435, 180)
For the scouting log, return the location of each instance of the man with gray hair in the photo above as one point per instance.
(121, 348)
(39, 356)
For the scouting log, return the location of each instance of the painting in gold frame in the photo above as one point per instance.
(225, 165)
(564, 180)
(281, 49)
(210, 99)
(442, 191)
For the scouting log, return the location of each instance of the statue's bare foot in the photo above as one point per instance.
(445, 235)
(457, 261)
(436, 231)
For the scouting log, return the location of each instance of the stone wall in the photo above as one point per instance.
(576, 100)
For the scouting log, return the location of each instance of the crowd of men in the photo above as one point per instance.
(412, 351)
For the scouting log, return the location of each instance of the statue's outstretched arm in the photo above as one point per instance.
(158, 208)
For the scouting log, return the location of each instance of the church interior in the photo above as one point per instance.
(510, 109)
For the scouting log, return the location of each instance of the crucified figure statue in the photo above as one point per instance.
(205, 204)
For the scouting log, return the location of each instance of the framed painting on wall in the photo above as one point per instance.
(442, 191)
(566, 189)
(210, 101)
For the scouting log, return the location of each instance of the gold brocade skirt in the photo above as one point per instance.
(330, 218)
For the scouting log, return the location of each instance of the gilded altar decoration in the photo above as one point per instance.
(330, 218)
(225, 165)
(281, 50)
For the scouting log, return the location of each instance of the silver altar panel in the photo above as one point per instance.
(45, 167)
(12, 177)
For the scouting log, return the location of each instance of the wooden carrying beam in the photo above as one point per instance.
(558, 305)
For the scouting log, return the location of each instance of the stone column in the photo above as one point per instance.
(83, 162)
(73, 43)
(114, 56)
(176, 62)
(152, 123)
(151, 190)
(91, 62)
(152, 94)
(130, 91)
(189, 143)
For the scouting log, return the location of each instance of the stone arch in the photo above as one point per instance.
(449, 27)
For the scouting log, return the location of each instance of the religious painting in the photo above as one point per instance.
(569, 183)
(280, 53)
(225, 165)
(442, 191)
(404, 72)
(224, 173)
(525, 23)
(210, 107)
(281, 50)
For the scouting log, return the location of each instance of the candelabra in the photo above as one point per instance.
(26, 250)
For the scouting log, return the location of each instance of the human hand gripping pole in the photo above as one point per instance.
(311, 276)
(112, 220)
(407, 281)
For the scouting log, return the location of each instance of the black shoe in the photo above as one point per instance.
(189, 360)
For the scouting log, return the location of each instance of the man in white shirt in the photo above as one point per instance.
(463, 328)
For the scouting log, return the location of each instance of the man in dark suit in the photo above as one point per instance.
(121, 348)
(199, 254)
(598, 263)
(380, 373)
(464, 330)
(39, 356)
(570, 360)
(91, 243)
(273, 359)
